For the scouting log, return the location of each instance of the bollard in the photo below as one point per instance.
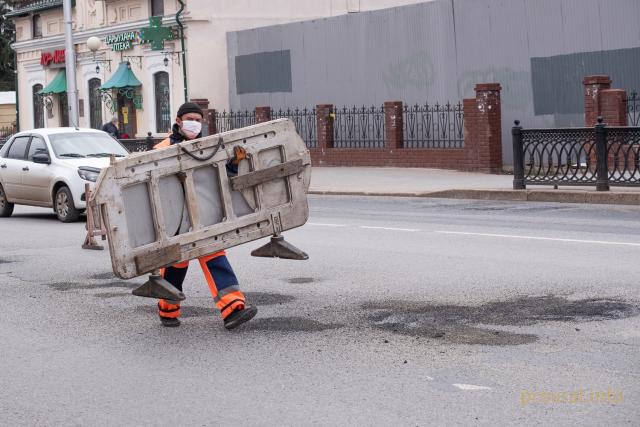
(149, 141)
(602, 172)
(518, 157)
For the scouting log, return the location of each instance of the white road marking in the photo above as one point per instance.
(326, 225)
(367, 227)
(553, 239)
(471, 387)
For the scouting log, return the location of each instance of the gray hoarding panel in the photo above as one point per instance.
(437, 51)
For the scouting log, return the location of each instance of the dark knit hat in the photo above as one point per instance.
(189, 107)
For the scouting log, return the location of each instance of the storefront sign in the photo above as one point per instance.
(122, 41)
(48, 58)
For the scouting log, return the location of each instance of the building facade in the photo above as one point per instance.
(137, 72)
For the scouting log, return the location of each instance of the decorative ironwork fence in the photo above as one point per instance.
(5, 134)
(134, 145)
(433, 126)
(358, 127)
(231, 120)
(633, 109)
(602, 156)
(305, 121)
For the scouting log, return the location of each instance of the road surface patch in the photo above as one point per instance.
(461, 324)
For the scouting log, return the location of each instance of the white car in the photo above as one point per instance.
(49, 168)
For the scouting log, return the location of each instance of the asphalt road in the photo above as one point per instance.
(409, 312)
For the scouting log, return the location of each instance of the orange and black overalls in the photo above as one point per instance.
(220, 277)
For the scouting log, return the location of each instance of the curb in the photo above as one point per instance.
(555, 196)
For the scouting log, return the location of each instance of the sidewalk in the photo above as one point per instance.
(414, 182)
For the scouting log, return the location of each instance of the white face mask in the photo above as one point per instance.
(191, 128)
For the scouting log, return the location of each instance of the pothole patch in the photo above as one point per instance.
(288, 324)
(267, 298)
(68, 286)
(465, 324)
(103, 276)
(301, 280)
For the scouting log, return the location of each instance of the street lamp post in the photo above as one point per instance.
(70, 65)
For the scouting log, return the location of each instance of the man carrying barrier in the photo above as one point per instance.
(193, 197)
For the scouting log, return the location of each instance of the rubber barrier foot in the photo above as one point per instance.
(279, 248)
(157, 287)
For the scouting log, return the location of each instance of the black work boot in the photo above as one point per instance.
(238, 317)
(170, 322)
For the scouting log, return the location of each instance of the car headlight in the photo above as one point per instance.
(88, 173)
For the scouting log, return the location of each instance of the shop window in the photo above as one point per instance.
(157, 7)
(95, 104)
(37, 26)
(38, 108)
(163, 101)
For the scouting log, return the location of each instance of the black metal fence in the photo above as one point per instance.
(358, 127)
(601, 156)
(5, 134)
(305, 121)
(433, 126)
(633, 109)
(134, 145)
(231, 120)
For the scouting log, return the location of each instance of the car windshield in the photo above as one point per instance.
(85, 144)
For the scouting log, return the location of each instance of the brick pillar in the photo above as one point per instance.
(202, 102)
(263, 114)
(324, 125)
(613, 106)
(393, 125)
(483, 128)
(209, 122)
(592, 87)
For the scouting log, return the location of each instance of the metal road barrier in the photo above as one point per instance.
(185, 201)
(600, 156)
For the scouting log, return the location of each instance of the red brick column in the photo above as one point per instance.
(263, 114)
(324, 125)
(202, 102)
(393, 125)
(483, 128)
(593, 85)
(613, 106)
(209, 122)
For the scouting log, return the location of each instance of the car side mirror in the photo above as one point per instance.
(41, 158)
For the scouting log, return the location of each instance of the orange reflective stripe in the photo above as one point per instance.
(207, 275)
(164, 305)
(231, 308)
(181, 265)
(164, 143)
(208, 258)
(170, 311)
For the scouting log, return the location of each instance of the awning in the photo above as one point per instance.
(57, 85)
(123, 77)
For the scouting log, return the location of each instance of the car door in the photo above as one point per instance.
(37, 177)
(12, 166)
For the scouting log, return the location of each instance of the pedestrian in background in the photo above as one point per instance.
(112, 127)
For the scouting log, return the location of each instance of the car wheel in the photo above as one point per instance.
(6, 208)
(64, 207)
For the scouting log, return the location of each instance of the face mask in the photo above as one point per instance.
(191, 128)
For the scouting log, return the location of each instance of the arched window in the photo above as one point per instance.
(38, 108)
(95, 104)
(163, 101)
(37, 26)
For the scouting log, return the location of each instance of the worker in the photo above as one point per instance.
(220, 277)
